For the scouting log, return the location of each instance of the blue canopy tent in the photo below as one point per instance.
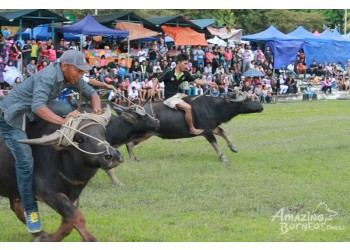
(284, 47)
(89, 26)
(41, 33)
(327, 47)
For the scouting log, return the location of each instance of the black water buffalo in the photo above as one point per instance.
(61, 174)
(208, 113)
(130, 124)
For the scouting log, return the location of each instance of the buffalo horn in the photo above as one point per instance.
(107, 114)
(240, 97)
(45, 140)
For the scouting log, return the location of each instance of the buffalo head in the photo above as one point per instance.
(88, 143)
(244, 103)
(137, 117)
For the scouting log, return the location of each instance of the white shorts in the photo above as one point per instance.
(174, 100)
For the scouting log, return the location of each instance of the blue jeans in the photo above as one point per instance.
(24, 157)
(24, 163)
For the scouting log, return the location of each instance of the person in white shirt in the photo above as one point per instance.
(208, 69)
(283, 87)
(290, 67)
(142, 55)
(138, 86)
(133, 96)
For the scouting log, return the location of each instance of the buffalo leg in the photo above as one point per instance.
(212, 140)
(17, 208)
(114, 178)
(71, 218)
(130, 147)
(220, 132)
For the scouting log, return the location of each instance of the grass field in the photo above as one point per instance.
(292, 156)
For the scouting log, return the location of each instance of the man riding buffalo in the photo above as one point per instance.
(35, 97)
(173, 78)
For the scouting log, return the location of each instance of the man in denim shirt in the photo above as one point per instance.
(36, 97)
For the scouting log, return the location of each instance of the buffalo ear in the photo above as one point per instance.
(129, 117)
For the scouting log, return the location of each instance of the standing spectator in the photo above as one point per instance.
(268, 54)
(14, 55)
(52, 53)
(72, 45)
(61, 48)
(26, 51)
(2, 71)
(6, 50)
(200, 56)
(163, 50)
(228, 58)
(152, 56)
(44, 54)
(34, 53)
(209, 56)
(246, 59)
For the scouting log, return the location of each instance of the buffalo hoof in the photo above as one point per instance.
(223, 158)
(40, 237)
(233, 148)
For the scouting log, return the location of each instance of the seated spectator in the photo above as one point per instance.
(309, 92)
(147, 87)
(123, 71)
(320, 71)
(208, 69)
(281, 84)
(133, 97)
(124, 86)
(31, 68)
(326, 85)
(116, 96)
(301, 68)
(112, 68)
(313, 68)
(138, 86)
(135, 70)
(52, 53)
(292, 86)
(43, 65)
(346, 83)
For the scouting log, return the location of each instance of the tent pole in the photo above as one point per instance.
(53, 32)
(127, 69)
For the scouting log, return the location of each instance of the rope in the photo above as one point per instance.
(69, 129)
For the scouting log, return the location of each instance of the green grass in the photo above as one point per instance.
(292, 155)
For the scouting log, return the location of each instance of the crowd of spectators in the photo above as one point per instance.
(224, 65)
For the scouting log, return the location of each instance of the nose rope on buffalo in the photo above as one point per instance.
(69, 129)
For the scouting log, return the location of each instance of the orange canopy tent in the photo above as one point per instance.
(185, 36)
(136, 31)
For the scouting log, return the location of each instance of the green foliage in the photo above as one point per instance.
(292, 156)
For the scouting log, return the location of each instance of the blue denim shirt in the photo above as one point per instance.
(35, 92)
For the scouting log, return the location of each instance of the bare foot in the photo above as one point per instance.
(196, 131)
